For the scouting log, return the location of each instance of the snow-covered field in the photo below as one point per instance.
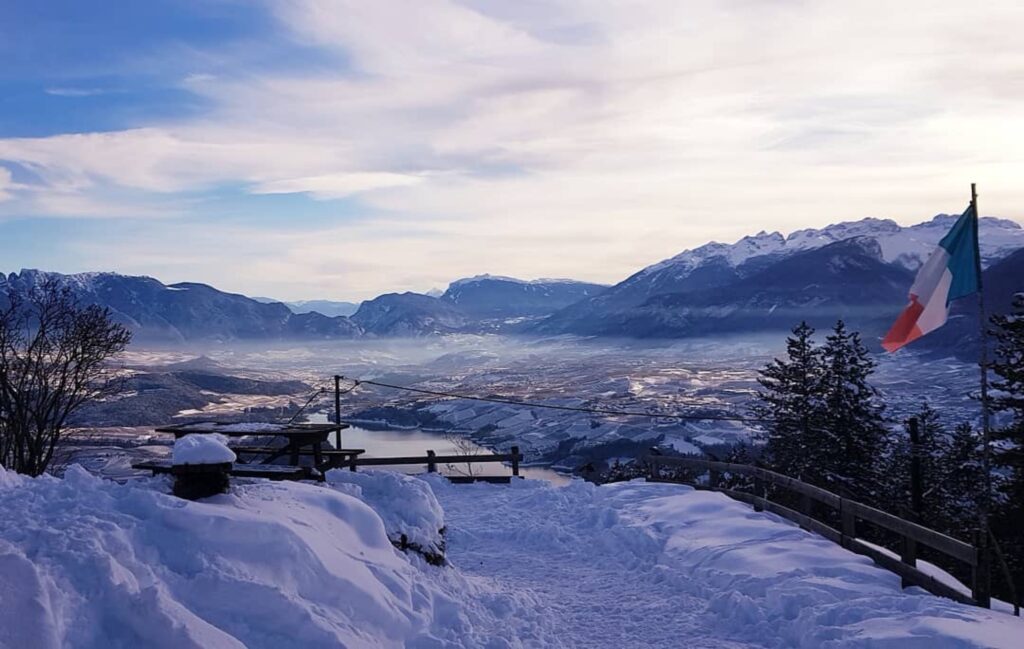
(86, 562)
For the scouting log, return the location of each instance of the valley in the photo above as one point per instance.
(709, 377)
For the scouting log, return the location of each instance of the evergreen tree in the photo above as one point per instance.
(791, 405)
(1008, 388)
(962, 487)
(1008, 446)
(932, 451)
(854, 435)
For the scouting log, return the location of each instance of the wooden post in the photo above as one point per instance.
(759, 493)
(806, 505)
(515, 461)
(655, 469)
(337, 411)
(849, 523)
(981, 588)
(431, 465)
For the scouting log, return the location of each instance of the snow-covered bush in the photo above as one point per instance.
(412, 516)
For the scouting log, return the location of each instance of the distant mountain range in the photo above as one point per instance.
(859, 271)
(175, 313)
(329, 308)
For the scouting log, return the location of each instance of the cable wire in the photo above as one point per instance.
(550, 406)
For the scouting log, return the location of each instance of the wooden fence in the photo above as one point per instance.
(431, 460)
(850, 515)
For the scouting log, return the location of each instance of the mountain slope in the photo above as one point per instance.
(156, 312)
(408, 314)
(716, 265)
(960, 335)
(846, 280)
(329, 308)
(489, 296)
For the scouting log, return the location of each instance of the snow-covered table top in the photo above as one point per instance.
(252, 428)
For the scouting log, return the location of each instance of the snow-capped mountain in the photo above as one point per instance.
(493, 296)
(716, 265)
(859, 271)
(908, 246)
(156, 312)
(847, 280)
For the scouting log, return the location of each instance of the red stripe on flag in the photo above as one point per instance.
(905, 329)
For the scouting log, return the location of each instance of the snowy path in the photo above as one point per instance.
(598, 580)
(642, 565)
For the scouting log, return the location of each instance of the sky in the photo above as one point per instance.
(339, 149)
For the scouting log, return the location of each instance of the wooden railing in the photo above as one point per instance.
(850, 513)
(431, 460)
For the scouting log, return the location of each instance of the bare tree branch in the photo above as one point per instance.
(54, 357)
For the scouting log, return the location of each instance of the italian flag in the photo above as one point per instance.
(952, 271)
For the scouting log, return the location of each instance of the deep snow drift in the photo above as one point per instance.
(86, 562)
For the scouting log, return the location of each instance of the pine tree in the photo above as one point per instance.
(932, 450)
(960, 492)
(1008, 388)
(791, 405)
(854, 435)
(1008, 446)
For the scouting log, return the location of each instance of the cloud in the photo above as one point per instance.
(75, 92)
(572, 139)
(6, 182)
(337, 185)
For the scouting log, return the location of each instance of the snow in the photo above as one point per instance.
(90, 563)
(513, 280)
(252, 427)
(908, 246)
(406, 504)
(199, 448)
(656, 565)
(683, 446)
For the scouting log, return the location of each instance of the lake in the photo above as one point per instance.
(391, 442)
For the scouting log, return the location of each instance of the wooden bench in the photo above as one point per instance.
(268, 471)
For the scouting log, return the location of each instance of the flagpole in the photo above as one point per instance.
(986, 452)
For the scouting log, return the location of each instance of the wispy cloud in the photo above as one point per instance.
(75, 92)
(337, 185)
(579, 139)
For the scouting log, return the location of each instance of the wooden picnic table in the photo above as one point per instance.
(299, 438)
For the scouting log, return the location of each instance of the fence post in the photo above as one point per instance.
(654, 468)
(981, 588)
(806, 505)
(431, 465)
(714, 477)
(759, 493)
(849, 523)
(515, 461)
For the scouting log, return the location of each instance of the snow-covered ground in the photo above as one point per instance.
(86, 562)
